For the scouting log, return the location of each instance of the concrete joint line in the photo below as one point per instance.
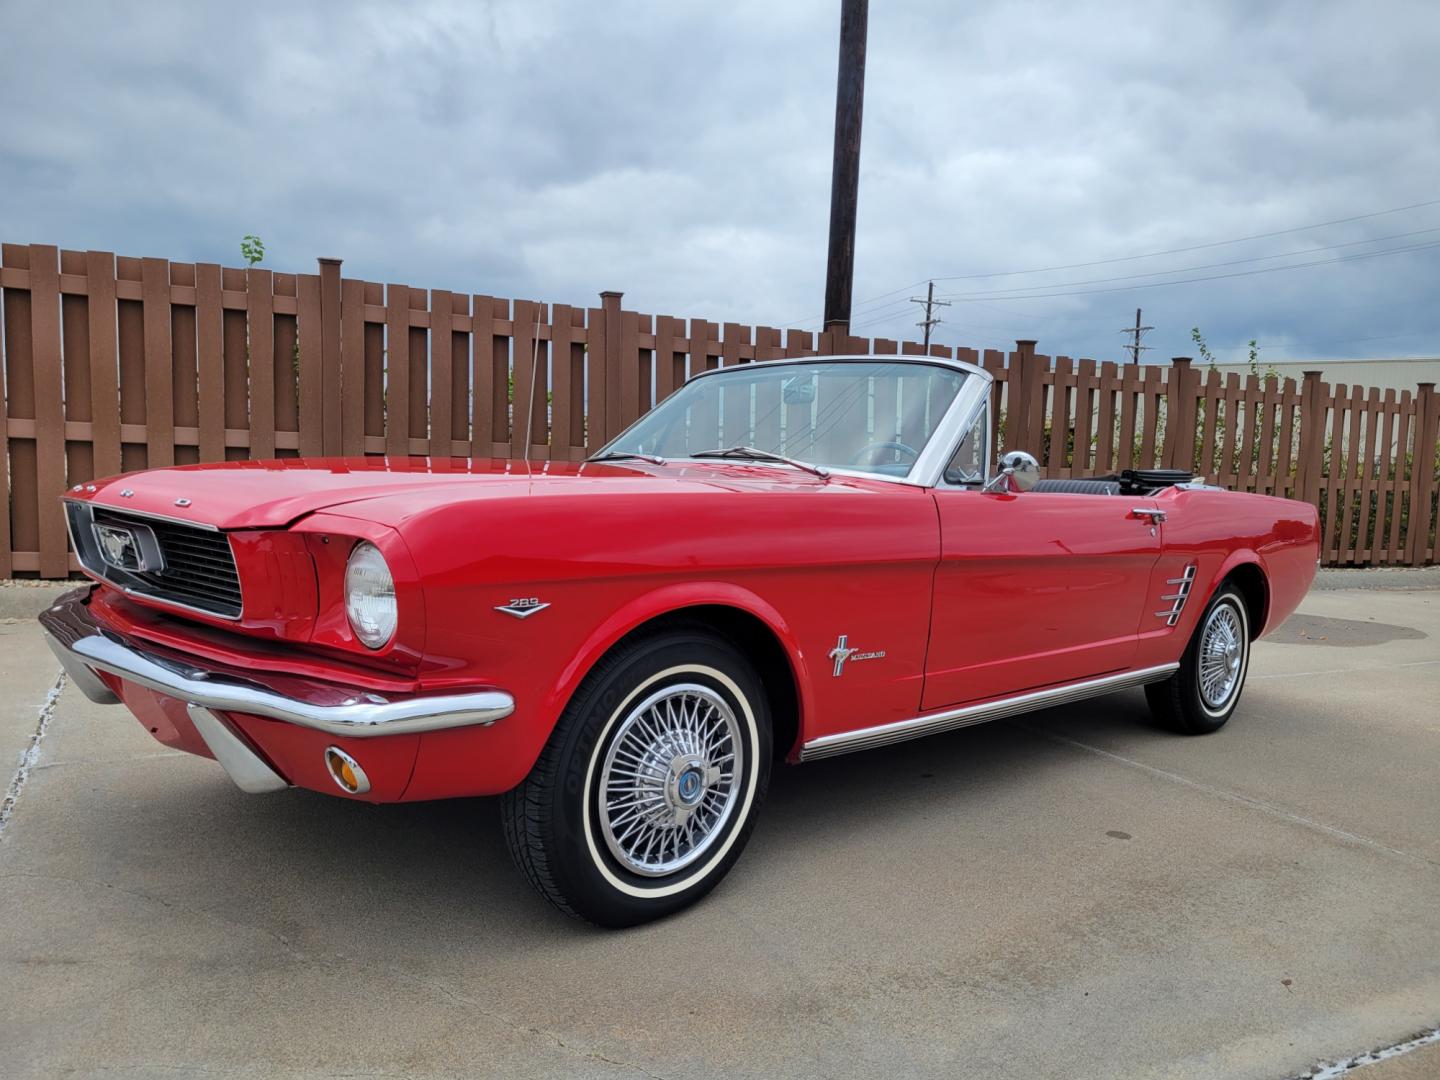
(1235, 797)
(31, 754)
(1345, 671)
(1349, 1065)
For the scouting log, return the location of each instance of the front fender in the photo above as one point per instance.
(667, 600)
(490, 760)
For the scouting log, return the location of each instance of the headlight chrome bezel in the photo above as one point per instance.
(370, 601)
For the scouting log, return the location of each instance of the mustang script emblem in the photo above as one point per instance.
(842, 652)
(523, 607)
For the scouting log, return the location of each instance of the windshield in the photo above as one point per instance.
(871, 417)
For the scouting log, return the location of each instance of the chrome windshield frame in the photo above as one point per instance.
(927, 469)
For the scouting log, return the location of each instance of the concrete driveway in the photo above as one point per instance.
(1070, 894)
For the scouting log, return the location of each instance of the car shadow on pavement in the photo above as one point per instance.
(881, 788)
(318, 871)
(404, 873)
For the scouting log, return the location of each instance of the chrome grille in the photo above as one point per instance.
(199, 567)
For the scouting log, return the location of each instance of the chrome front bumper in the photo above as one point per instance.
(85, 648)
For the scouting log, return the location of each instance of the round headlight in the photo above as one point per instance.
(370, 595)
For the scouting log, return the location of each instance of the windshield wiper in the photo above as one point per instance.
(754, 453)
(627, 455)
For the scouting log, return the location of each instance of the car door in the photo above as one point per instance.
(1034, 589)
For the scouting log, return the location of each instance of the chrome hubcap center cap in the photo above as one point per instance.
(687, 781)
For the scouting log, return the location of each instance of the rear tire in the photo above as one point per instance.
(1201, 696)
(649, 785)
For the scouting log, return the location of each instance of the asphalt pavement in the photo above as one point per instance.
(1069, 894)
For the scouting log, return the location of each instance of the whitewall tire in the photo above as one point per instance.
(648, 788)
(1202, 695)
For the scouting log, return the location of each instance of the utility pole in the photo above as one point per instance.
(1136, 332)
(930, 304)
(845, 176)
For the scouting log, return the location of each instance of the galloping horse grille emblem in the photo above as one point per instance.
(132, 548)
(119, 547)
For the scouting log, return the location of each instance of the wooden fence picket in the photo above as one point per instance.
(1381, 458)
(1400, 475)
(1423, 535)
(75, 364)
(310, 378)
(1209, 409)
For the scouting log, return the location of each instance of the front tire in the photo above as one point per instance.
(1201, 696)
(648, 788)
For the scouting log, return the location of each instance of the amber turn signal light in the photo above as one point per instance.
(346, 771)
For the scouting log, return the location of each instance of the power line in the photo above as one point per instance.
(999, 294)
(1217, 277)
(895, 308)
(892, 310)
(1198, 247)
(1356, 341)
(886, 317)
(1133, 258)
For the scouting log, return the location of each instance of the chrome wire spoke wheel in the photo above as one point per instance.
(1222, 656)
(669, 783)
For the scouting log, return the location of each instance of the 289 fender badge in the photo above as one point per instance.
(841, 653)
(523, 607)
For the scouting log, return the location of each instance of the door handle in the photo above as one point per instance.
(1150, 513)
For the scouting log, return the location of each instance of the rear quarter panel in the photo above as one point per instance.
(1218, 531)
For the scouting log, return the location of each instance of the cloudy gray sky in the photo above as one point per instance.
(681, 152)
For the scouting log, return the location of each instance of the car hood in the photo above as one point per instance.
(273, 494)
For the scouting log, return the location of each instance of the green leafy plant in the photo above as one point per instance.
(252, 249)
(1202, 348)
(1253, 351)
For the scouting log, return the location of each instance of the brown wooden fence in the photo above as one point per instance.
(116, 364)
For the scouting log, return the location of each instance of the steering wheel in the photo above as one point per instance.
(870, 449)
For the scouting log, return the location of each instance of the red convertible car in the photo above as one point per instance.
(786, 560)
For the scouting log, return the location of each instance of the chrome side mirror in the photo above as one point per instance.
(1019, 472)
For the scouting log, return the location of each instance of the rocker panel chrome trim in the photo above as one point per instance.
(901, 730)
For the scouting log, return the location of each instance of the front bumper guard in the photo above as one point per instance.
(84, 648)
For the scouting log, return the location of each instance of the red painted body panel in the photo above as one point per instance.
(811, 560)
(164, 717)
(1077, 566)
(298, 754)
(1218, 531)
(272, 494)
(1027, 590)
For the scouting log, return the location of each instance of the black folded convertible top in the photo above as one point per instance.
(1125, 482)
